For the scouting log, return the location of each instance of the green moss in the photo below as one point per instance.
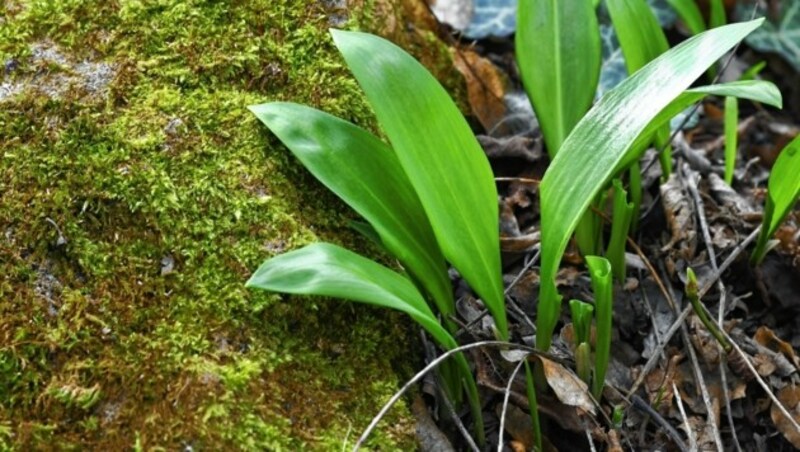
(131, 217)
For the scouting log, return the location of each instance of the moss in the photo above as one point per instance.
(134, 208)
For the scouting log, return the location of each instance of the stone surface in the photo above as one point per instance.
(137, 194)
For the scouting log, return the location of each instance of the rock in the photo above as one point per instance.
(125, 123)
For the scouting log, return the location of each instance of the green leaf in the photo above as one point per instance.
(581, 320)
(638, 31)
(642, 40)
(731, 136)
(331, 271)
(592, 152)
(783, 191)
(717, 17)
(600, 270)
(755, 90)
(366, 174)
(781, 37)
(690, 15)
(441, 157)
(558, 53)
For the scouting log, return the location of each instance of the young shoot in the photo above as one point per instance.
(783, 189)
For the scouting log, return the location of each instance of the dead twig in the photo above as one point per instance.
(421, 374)
(505, 404)
(701, 213)
(644, 407)
(648, 367)
(687, 426)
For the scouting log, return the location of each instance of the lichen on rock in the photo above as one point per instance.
(137, 194)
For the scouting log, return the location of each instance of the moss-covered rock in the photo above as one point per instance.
(137, 194)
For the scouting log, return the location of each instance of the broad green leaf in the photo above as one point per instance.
(441, 157)
(591, 153)
(690, 15)
(755, 90)
(642, 40)
(366, 174)
(558, 53)
(782, 36)
(331, 271)
(783, 191)
(638, 31)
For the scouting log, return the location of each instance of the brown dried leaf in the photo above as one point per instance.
(659, 383)
(522, 244)
(518, 425)
(678, 212)
(508, 221)
(769, 339)
(789, 396)
(764, 364)
(569, 389)
(486, 86)
(704, 342)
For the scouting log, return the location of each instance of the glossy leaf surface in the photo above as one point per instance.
(590, 155)
(329, 270)
(366, 174)
(558, 53)
(441, 157)
(755, 90)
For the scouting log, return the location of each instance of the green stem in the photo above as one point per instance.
(635, 190)
(694, 299)
(473, 397)
(731, 136)
(623, 210)
(531, 390)
(665, 157)
(600, 271)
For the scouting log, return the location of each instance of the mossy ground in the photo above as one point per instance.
(132, 216)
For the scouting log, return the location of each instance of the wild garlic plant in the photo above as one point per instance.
(430, 199)
(428, 195)
(610, 138)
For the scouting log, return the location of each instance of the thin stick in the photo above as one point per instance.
(505, 404)
(676, 325)
(457, 420)
(589, 438)
(643, 406)
(430, 353)
(687, 426)
(513, 283)
(522, 180)
(435, 363)
(701, 382)
(701, 213)
(761, 381)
